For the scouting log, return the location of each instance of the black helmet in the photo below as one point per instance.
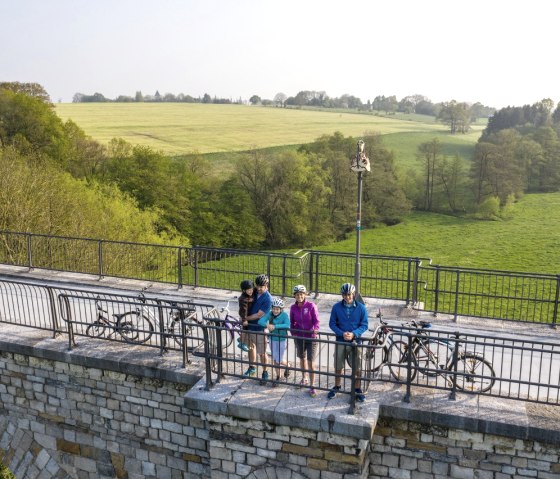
(246, 284)
(261, 280)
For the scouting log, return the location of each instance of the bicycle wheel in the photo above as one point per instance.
(397, 360)
(176, 332)
(135, 327)
(474, 373)
(97, 329)
(372, 358)
(431, 356)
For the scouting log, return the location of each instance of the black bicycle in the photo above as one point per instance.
(433, 357)
(381, 349)
(133, 326)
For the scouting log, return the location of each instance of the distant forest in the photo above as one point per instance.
(307, 98)
(57, 180)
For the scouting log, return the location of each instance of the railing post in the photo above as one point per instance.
(457, 296)
(556, 299)
(409, 354)
(354, 361)
(436, 292)
(268, 262)
(452, 396)
(29, 252)
(179, 268)
(100, 258)
(317, 275)
(284, 275)
(195, 265)
(415, 281)
(311, 259)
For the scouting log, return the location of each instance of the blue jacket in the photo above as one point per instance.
(281, 325)
(356, 323)
(262, 303)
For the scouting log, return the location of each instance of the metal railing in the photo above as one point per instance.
(511, 367)
(517, 296)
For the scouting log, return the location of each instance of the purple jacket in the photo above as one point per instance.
(305, 317)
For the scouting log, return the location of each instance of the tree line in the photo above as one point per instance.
(60, 181)
(517, 153)
(57, 180)
(458, 114)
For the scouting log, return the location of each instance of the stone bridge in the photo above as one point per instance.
(102, 410)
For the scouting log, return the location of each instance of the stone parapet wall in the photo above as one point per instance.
(66, 420)
(105, 410)
(410, 450)
(246, 448)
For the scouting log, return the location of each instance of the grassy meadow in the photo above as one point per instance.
(528, 241)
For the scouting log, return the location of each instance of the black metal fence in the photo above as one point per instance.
(528, 297)
(494, 365)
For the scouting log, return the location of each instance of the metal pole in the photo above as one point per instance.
(357, 271)
(359, 164)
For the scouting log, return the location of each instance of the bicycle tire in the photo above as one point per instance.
(97, 329)
(228, 333)
(135, 327)
(368, 357)
(397, 355)
(428, 361)
(176, 332)
(471, 366)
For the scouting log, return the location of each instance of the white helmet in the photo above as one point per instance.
(277, 302)
(299, 288)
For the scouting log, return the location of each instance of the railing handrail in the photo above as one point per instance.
(499, 349)
(507, 295)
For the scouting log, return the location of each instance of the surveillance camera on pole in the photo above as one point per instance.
(359, 164)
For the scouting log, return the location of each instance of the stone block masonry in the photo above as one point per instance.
(108, 410)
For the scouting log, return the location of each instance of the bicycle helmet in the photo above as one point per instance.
(246, 284)
(261, 280)
(277, 302)
(299, 288)
(348, 288)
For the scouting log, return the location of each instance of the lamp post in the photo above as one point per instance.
(359, 164)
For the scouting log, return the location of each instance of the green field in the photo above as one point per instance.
(224, 131)
(179, 128)
(529, 241)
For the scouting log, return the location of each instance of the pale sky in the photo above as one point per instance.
(497, 52)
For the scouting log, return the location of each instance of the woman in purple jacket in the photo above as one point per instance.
(304, 324)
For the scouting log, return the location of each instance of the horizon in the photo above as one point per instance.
(239, 49)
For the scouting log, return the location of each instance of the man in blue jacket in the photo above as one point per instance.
(256, 338)
(349, 320)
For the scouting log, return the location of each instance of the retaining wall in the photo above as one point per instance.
(108, 410)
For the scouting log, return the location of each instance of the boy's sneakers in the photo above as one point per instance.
(241, 345)
(333, 391)
(360, 396)
(250, 372)
(264, 377)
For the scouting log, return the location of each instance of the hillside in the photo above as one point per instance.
(524, 242)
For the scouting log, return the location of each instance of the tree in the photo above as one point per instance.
(455, 115)
(255, 100)
(430, 155)
(280, 99)
(30, 89)
(138, 96)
